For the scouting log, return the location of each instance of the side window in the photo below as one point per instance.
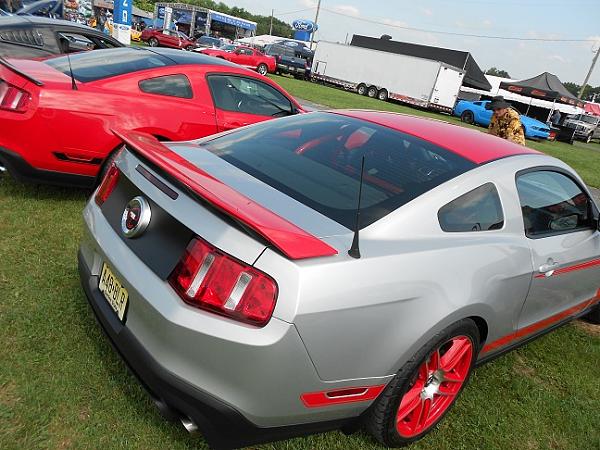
(477, 210)
(552, 203)
(170, 85)
(239, 94)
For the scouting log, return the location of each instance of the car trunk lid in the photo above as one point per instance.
(292, 228)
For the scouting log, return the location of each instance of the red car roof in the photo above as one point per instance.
(476, 146)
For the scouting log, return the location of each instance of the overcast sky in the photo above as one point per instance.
(562, 19)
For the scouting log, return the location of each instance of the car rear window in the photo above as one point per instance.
(169, 85)
(99, 64)
(316, 159)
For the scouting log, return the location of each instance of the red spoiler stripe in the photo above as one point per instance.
(292, 241)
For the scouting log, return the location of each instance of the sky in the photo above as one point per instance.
(547, 19)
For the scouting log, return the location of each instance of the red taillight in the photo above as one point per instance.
(108, 184)
(210, 279)
(13, 98)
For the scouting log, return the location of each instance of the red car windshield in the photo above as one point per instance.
(316, 159)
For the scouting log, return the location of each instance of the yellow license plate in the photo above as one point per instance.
(114, 292)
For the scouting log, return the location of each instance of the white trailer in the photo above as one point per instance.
(417, 81)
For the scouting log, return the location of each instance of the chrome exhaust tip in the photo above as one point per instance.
(2, 169)
(189, 425)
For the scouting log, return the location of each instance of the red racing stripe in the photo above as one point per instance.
(541, 325)
(582, 266)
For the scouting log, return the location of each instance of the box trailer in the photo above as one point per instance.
(377, 74)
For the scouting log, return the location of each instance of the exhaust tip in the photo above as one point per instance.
(189, 425)
(2, 169)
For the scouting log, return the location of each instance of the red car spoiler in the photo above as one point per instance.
(292, 241)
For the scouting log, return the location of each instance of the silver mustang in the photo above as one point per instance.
(331, 270)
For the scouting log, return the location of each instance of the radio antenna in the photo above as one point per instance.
(354, 251)
(73, 84)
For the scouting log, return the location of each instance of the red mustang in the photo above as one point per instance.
(58, 129)
(245, 56)
(167, 38)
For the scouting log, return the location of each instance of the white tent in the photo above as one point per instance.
(512, 97)
(265, 39)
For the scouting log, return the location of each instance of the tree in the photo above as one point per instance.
(263, 23)
(573, 88)
(497, 72)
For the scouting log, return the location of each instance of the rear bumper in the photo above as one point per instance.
(23, 171)
(221, 425)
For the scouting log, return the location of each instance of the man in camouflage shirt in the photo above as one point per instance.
(506, 122)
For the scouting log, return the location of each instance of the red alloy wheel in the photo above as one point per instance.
(439, 380)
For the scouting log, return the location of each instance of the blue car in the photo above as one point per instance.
(475, 112)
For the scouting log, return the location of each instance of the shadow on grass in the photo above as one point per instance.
(14, 188)
(126, 380)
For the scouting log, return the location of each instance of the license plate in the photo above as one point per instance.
(114, 292)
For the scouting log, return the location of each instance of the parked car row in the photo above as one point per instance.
(476, 113)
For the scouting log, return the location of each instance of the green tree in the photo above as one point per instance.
(497, 72)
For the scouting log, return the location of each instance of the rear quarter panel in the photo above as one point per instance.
(367, 317)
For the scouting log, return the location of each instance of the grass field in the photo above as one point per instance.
(62, 386)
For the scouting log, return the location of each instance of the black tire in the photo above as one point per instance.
(380, 419)
(153, 42)
(588, 139)
(382, 95)
(372, 92)
(467, 117)
(361, 89)
(189, 48)
(262, 69)
(593, 316)
(105, 166)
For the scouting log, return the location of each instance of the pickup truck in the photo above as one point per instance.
(586, 127)
(287, 61)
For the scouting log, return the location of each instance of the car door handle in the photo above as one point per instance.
(548, 268)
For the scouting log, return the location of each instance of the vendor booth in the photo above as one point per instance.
(197, 21)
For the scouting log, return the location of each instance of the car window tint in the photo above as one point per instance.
(23, 36)
(316, 159)
(552, 203)
(91, 66)
(477, 210)
(246, 95)
(170, 85)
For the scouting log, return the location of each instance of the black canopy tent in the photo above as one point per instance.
(545, 86)
(474, 76)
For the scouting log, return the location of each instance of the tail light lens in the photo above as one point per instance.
(13, 98)
(210, 279)
(108, 185)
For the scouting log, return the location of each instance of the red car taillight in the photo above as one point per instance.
(108, 185)
(210, 279)
(13, 98)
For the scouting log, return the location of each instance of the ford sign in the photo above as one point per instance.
(304, 25)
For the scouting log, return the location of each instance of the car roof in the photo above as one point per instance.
(476, 146)
(40, 21)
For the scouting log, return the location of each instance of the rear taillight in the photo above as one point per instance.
(210, 279)
(13, 98)
(108, 185)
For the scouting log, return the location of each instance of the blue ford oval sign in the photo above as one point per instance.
(304, 25)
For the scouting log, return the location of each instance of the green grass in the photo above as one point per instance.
(585, 158)
(62, 386)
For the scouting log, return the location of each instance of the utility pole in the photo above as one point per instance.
(312, 35)
(589, 74)
(271, 26)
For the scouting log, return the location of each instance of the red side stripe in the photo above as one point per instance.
(582, 266)
(539, 326)
(291, 240)
(339, 396)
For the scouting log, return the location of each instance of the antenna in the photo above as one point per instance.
(354, 251)
(73, 85)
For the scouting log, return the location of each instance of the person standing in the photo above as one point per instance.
(506, 122)
(555, 119)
